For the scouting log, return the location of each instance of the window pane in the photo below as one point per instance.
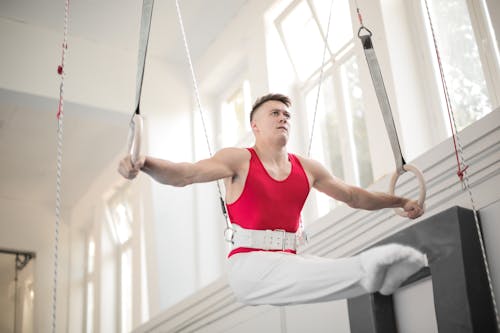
(353, 98)
(90, 307)
(303, 40)
(326, 146)
(123, 221)
(340, 24)
(121, 214)
(126, 291)
(461, 63)
(91, 256)
(234, 115)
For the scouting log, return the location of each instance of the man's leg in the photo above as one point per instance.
(278, 278)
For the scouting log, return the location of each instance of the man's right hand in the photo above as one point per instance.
(130, 170)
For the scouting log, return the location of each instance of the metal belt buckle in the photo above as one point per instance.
(283, 238)
(229, 235)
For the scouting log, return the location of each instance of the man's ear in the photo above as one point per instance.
(253, 125)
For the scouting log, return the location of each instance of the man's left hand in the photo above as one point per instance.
(412, 209)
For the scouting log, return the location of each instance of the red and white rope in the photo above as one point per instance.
(60, 116)
(461, 163)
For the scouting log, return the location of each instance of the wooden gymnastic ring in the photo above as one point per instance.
(421, 185)
(135, 135)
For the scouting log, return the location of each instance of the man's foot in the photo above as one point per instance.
(388, 266)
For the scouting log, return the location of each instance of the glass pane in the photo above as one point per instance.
(108, 279)
(326, 146)
(16, 293)
(123, 220)
(353, 98)
(91, 256)
(126, 291)
(90, 307)
(121, 214)
(234, 115)
(8, 291)
(461, 63)
(303, 40)
(340, 24)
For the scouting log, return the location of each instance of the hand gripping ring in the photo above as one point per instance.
(421, 185)
(135, 134)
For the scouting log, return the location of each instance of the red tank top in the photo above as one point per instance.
(266, 203)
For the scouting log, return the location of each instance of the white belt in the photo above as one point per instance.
(277, 239)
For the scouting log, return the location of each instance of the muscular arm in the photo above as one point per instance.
(222, 165)
(354, 196)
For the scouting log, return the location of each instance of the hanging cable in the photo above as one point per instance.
(302, 235)
(60, 115)
(321, 73)
(229, 229)
(462, 172)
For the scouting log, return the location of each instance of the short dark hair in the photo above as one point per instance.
(270, 97)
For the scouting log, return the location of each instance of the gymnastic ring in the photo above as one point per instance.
(421, 185)
(135, 134)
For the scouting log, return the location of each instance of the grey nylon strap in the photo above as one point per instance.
(383, 100)
(147, 13)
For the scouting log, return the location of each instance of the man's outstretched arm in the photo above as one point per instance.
(357, 197)
(219, 166)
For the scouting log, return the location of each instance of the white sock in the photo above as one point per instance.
(388, 266)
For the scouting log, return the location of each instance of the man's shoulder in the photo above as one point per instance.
(233, 150)
(302, 159)
(308, 163)
(234, 153)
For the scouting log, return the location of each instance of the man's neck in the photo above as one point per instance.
(271, 153)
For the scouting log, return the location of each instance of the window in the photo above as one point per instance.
(302, 37)
(470, 68)
(90, 282)
(340, 138)
(235, 112)
(121, 216)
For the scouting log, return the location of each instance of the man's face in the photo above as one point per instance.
(271, 119)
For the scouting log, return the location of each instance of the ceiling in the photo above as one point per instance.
(92, 137)
(116, 23)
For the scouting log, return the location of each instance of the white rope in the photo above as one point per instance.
(463, 168)
(321, 73)
(200, 109)
(320, 80)
(60, 116)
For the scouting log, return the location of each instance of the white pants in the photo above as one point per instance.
(280, 278)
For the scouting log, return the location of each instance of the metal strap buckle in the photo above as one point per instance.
(283, 238)
(229, 235)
